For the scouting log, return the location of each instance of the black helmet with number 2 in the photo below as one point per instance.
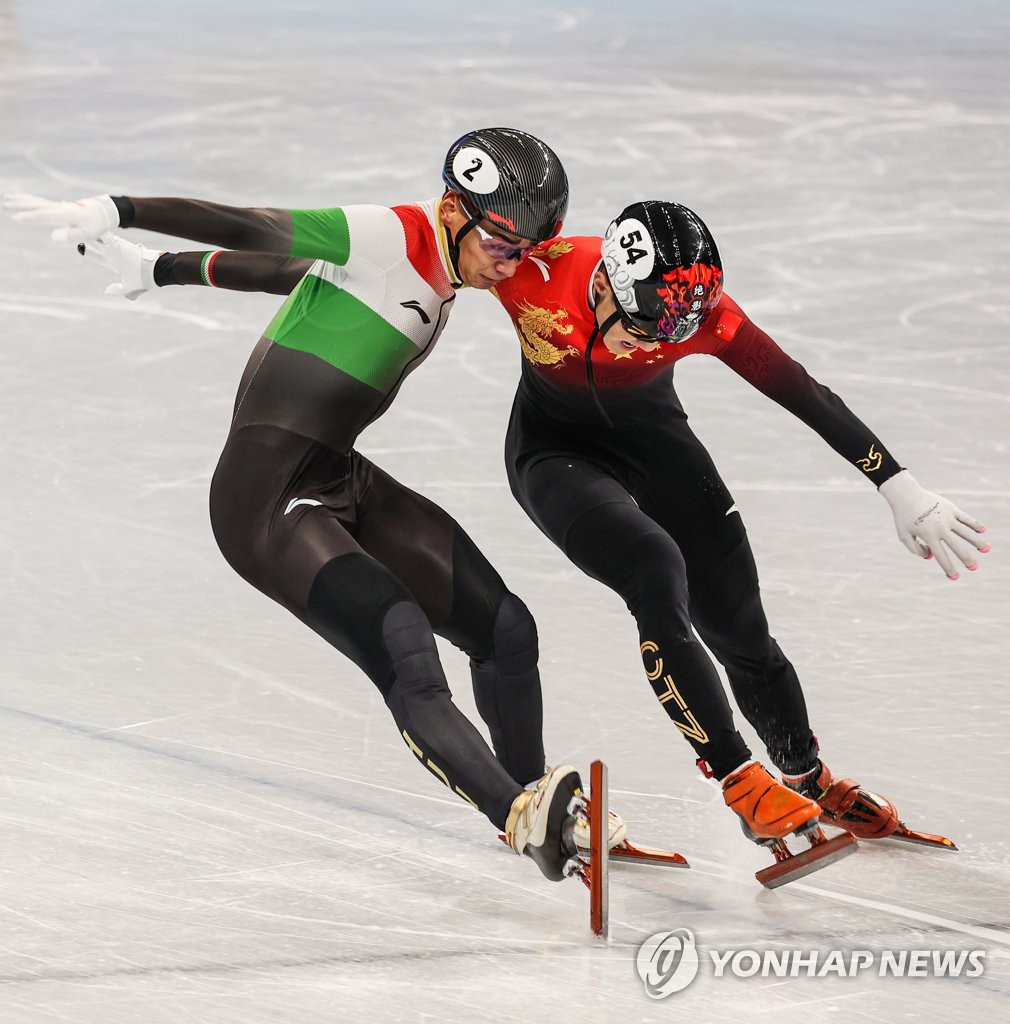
(510, 178)
(665, 269)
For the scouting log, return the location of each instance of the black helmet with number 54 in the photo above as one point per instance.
(665, 270)
(510, 178)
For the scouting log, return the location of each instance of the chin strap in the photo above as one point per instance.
(453, 243)
(614, 318)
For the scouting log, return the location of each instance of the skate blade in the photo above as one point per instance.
(632, 854)
(904, 834)
(791, 866)
(911, 836)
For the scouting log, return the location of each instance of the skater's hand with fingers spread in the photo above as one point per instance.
(134, 264)
(80, 221)
(930, 525)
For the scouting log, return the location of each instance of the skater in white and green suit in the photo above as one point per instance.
(370, 565)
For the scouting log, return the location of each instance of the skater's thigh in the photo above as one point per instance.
(281, 509)
(593, 518)
(679, 487)
(428, 550)
(555, 491)
(683, 492)
(287, 524)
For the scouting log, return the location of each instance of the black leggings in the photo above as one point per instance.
(374, 568)
(650, 518)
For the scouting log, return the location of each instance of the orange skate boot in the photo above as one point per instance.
(769, 811)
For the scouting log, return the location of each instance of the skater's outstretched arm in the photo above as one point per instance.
(140, 269)
(316, 234)
(927, 523)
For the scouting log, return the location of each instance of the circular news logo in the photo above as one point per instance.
(667, 962)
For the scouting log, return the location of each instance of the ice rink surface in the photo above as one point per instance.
(207, 815)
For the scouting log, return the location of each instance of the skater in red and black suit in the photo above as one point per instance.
(602, 458)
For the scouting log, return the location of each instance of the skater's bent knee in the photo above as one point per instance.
(515, 634)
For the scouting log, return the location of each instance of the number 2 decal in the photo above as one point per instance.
(474, 169)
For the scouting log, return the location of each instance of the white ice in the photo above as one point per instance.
(206, 814)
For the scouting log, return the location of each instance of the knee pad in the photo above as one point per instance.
(369, 615)
(516, 647)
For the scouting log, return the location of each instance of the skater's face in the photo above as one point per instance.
(487, 254)
(617, 338)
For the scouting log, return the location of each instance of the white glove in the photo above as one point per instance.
(132, 263)
(79, 221)
(928, 524)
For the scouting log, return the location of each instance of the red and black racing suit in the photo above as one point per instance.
(600, 455)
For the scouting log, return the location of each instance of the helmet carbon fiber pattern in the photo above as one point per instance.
(664, 267)
(511, 178)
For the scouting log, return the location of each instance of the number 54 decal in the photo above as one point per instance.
(627, 243)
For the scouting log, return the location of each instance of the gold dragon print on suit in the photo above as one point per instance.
(536, 325)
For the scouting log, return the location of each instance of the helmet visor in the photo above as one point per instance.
(635, 331)
(495, 246)
(678, 330)
(667, 329)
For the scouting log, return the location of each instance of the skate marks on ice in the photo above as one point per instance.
(941, 925)
(875, 879)
(309, 893)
